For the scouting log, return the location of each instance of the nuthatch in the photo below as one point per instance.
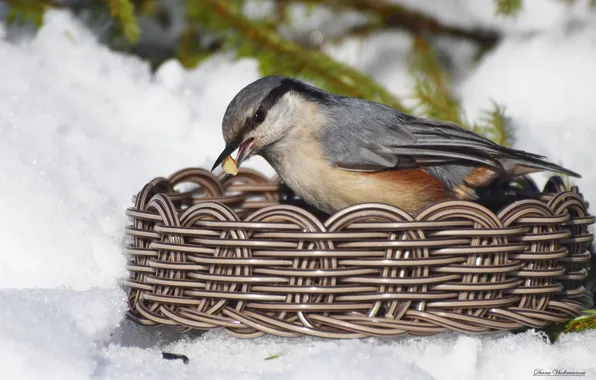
(335, 151)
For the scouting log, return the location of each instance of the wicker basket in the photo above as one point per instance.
(249, 258)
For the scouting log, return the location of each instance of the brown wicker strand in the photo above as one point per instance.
(249, 257)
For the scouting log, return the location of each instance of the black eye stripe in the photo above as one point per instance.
(274, 95)
(268, 102)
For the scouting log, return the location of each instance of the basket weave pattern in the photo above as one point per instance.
(205, 256)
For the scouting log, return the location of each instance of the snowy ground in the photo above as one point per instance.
(83, 128)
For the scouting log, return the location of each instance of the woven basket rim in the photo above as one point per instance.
(273, 183)
(231, 256)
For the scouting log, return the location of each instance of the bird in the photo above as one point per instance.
(335, 151)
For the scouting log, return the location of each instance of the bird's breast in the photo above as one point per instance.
(304, 169)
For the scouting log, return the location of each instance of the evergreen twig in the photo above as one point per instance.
(123, 11)
(396, 16)
(21, 11)
(582, 323)
(278, 56)
(585, 322)
(432, 89)
(435, 99)
(493, 123)
(509, 8)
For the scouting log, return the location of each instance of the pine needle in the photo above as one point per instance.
(435, 99)
(272, 357)
(509, 8)
(432, 88)
(582, 323)
(494, 124)
(123, 11)
(279, 56)
(23, 11)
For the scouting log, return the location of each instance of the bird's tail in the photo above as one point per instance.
(526, 163)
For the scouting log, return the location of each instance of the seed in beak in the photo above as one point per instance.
(230, 166)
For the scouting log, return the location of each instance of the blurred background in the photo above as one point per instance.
(411, 54)
(519, 72)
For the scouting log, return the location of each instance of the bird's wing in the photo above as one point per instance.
(381, 138)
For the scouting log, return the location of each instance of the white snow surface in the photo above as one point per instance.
(535, 15)
(547, 85)
(83, 128)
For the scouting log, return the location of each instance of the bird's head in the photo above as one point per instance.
(263, 113)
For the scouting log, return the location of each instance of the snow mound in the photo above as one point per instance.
(546, 83)
(83, 130)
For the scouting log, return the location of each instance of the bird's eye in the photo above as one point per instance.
(259, 116)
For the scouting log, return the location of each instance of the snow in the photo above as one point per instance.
(546, 82)
(535, 15)
(83, 128)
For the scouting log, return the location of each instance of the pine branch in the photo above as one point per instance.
(123, 11)
(396, 16)
(494, 125)
(432, 89)
(147, 7)
(509, 8)
(281, 12)
(585, 322)
(435, 99)
(582, 323)
(359, 31)
(191, 51)
(278, 56)
(21, 11)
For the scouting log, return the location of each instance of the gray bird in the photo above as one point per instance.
(335, 151)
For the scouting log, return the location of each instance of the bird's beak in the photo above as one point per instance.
(244, 151)
(228, 150)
